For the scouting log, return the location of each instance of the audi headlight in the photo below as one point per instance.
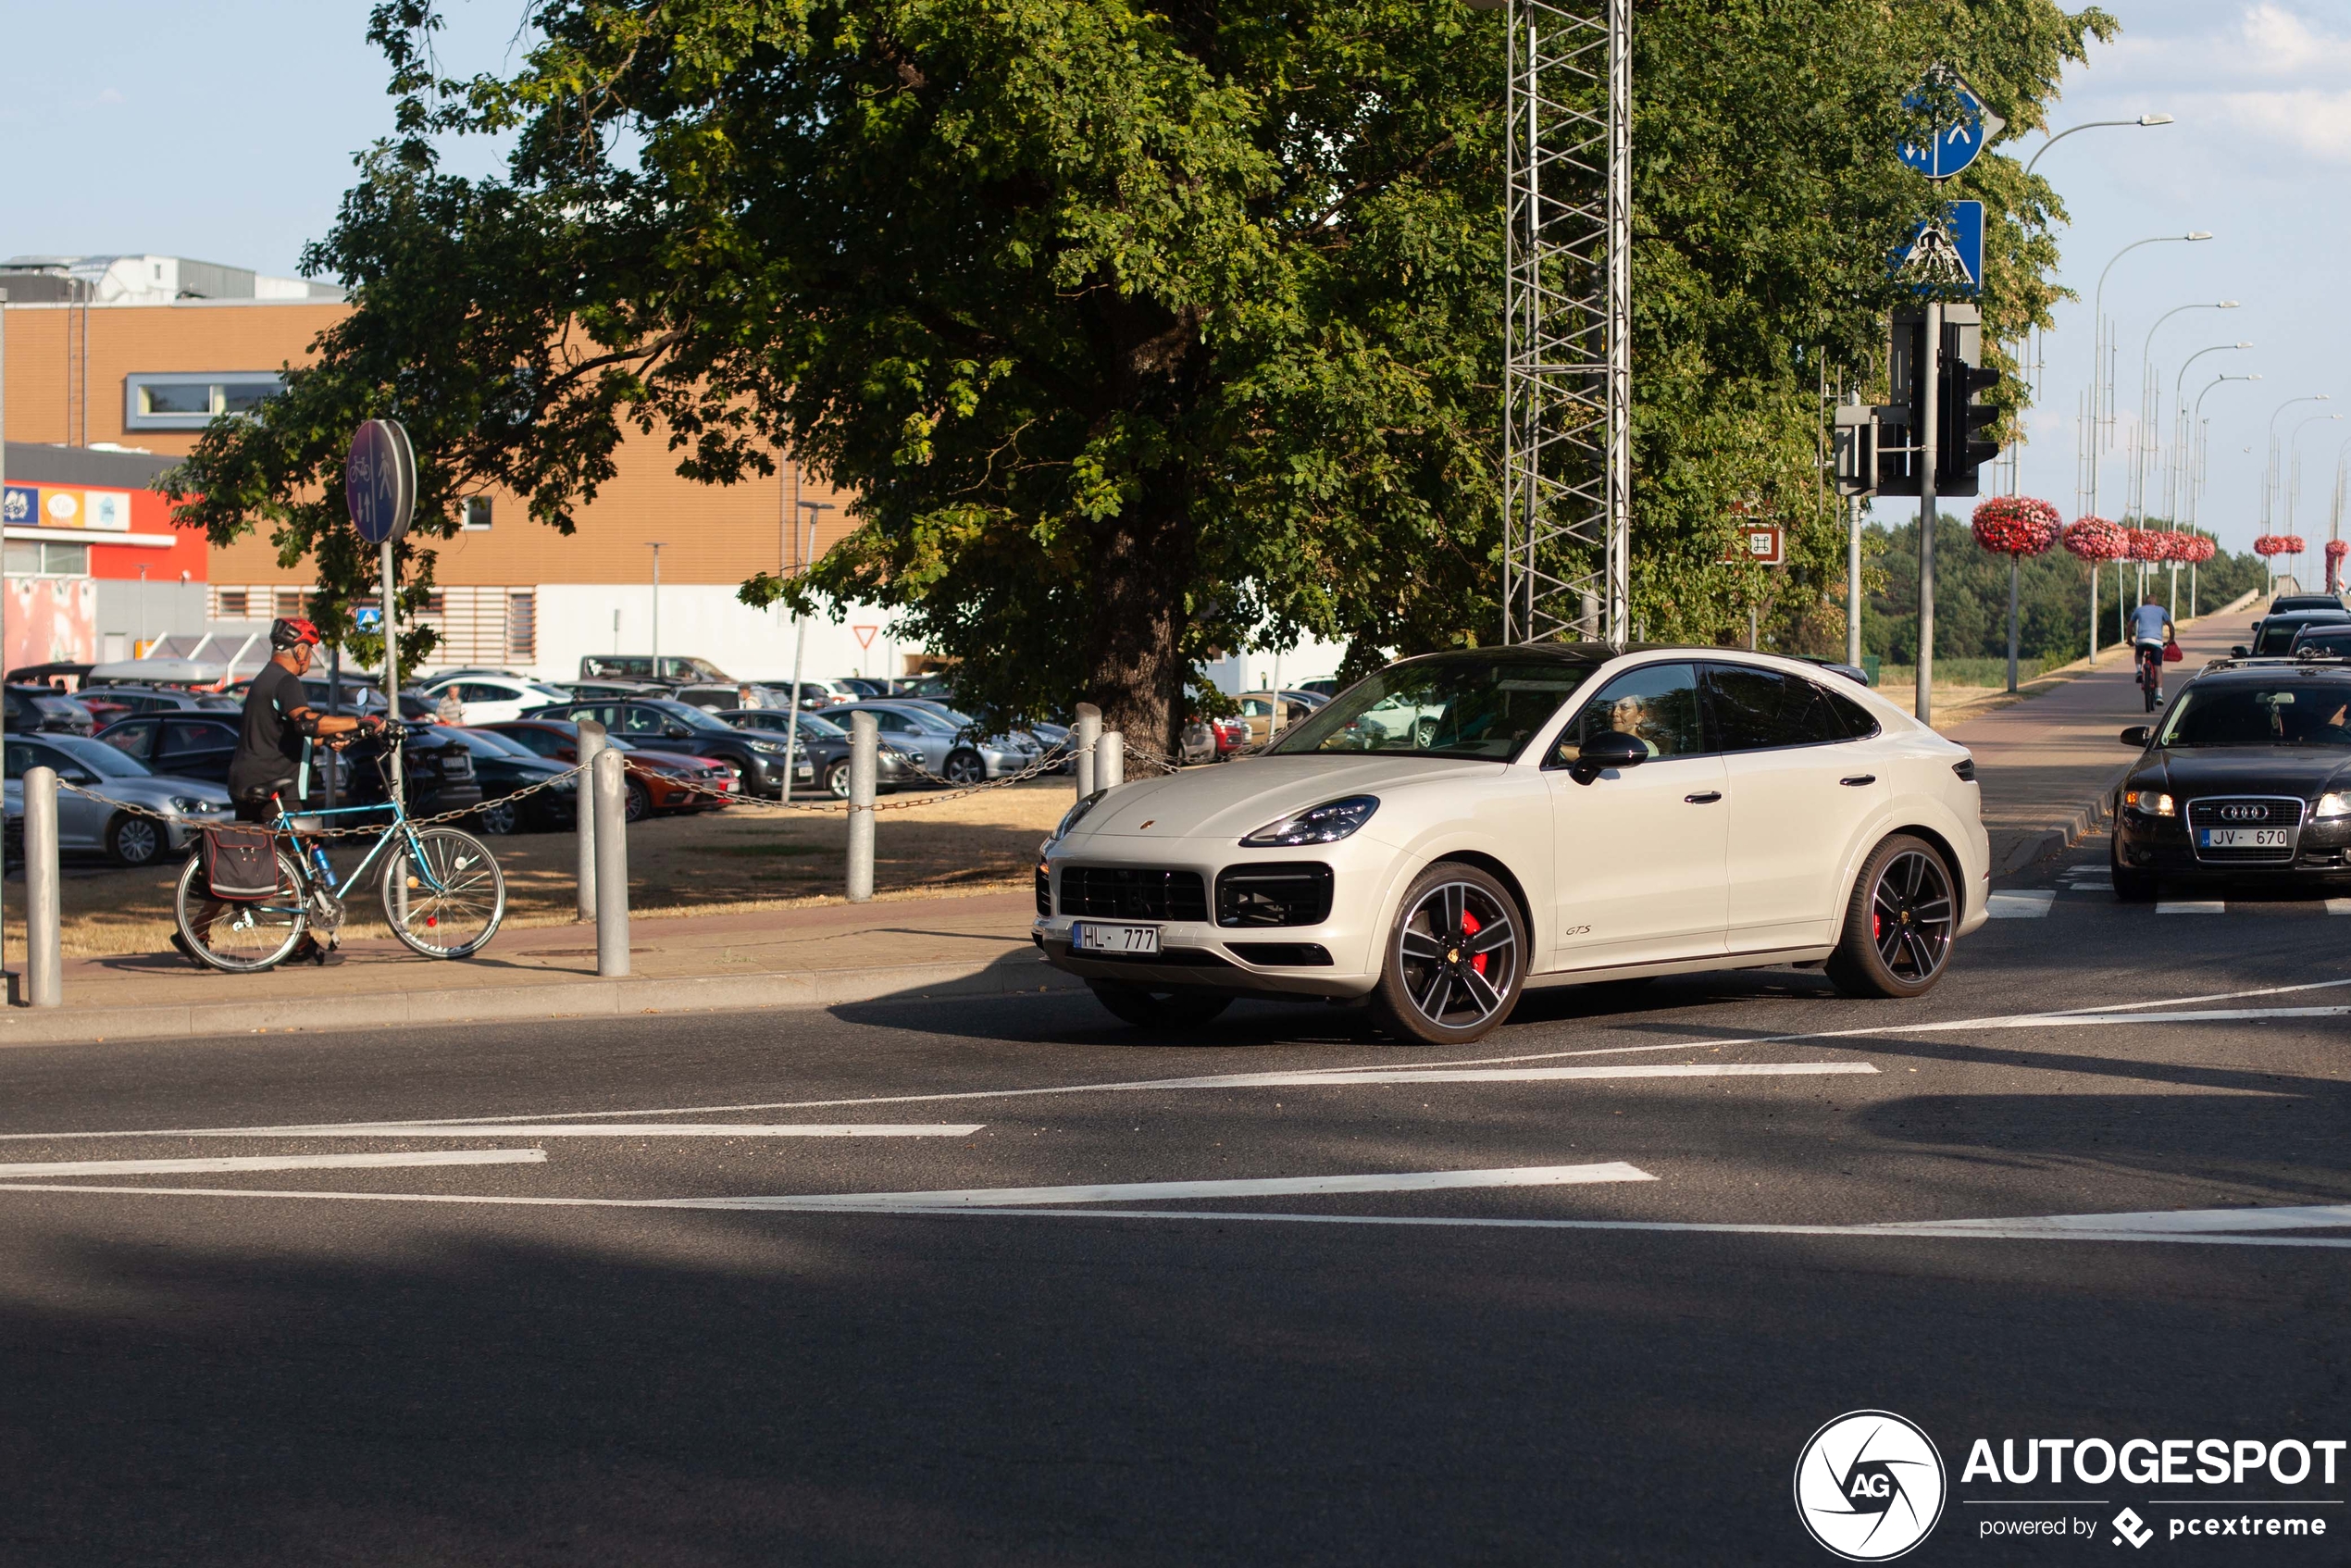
(1324, 824)
(2148, 802)
(2334, 802)
(1070, 818)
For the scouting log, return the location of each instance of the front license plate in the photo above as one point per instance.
(2241, 837)
(1091, 937)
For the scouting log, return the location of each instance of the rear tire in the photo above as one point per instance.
(1456, 958)
(499, 817)
(638, 801)
(2130, 886)
(1146, 1008)
(1898, 923)
(239, 938)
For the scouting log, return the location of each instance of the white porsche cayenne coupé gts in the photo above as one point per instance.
(1460, 826)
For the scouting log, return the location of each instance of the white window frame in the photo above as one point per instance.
(134, 418)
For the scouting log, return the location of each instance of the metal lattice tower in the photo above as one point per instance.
(1567, 371)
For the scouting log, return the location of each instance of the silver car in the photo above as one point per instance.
(941, 741)
(87, 825)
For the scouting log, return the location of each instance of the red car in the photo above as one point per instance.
(656, 781)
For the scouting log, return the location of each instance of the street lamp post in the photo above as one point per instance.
(2098, 363)
(656, 664)
(2150, 411)
(2293, 469)
(2179, 426)
(800, 646)
(2269, 469)
(2188, 472)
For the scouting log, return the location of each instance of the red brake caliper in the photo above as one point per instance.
(1470, 926)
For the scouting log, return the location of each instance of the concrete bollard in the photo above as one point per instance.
(44, 916)
(610, 777)
(592, 744)
(865, 744)
(1090, 730)
(1110, 760)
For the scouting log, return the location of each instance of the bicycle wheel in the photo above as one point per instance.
(443, 893)
(240, 936)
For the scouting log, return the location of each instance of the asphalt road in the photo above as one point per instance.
(563, 1360)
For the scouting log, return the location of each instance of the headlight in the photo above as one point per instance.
(2149, 804)
(1324, 824)
(769, 747)
(188, 806)
(2334, 802)
(1069, 818)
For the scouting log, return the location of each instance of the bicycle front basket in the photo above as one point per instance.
(241, 864)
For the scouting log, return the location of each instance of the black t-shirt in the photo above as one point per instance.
(268, 742)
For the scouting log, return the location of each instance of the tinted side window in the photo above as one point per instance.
(21, 758)
(1656, 704)
(1760, 709)
(132, 738)
(641, 721)
(545, 742)
(191, 735)
(1860, 722)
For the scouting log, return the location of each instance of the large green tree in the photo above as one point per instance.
(1135, 332)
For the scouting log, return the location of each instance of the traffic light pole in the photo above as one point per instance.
(1853, 581)
(1928, 420)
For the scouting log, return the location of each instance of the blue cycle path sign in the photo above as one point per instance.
(380, 480)
(1948, 148)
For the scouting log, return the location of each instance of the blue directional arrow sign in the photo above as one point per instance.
(1948, 148)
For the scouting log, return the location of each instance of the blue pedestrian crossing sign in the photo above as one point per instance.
(368, 618)
(1945, 251)
(1942, 143)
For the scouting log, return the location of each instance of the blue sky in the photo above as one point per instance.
(224, 131)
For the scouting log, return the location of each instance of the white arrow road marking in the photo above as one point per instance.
(276, 1163)
(2252, 1230)
(1146, 1191)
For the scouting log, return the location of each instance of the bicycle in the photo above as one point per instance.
(444, 895)
(2150, 661)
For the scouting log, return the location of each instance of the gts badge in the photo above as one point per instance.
(1575, 931)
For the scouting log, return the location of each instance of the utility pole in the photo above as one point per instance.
(656, 664)
(800, 640)
(1928, 418)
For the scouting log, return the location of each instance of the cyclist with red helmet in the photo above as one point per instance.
(277, 718)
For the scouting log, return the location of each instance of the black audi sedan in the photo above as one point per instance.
(2247, 778)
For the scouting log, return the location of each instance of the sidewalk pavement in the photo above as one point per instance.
(2047, 764)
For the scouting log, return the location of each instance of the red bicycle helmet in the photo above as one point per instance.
(292, 633)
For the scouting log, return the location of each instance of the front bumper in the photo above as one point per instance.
(2159, 845)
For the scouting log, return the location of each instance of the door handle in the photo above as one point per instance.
(1708, 798)
(1860, 778)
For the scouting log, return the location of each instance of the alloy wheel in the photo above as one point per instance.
(1912, 916)
(1458, 952)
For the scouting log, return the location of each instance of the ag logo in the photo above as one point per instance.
(1869, 1486)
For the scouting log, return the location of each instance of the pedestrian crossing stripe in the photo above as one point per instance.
(2035, 904)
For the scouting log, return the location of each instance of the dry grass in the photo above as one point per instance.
(731, 862)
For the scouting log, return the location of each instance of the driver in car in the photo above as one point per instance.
(1630, 715)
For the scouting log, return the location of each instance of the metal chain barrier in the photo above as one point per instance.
(135, 809)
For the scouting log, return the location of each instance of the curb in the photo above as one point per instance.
(2032, 845)
(1018, 973)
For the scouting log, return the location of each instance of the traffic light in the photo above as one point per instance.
(1962, 414)
(1900, 447)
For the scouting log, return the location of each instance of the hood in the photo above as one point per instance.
(1236, 798)
(2308, 771)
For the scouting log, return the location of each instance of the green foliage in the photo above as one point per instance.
(1135, 331)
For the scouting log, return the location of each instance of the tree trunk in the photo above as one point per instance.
(1142, 560)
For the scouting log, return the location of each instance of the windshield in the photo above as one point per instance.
(1484, 705)
(2302, 714)
(482, 743)
(101, 758)
(693, 718)
(823, 728)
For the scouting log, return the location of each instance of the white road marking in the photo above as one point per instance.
(2251, 1230)
(1146, 1191)
(274, 1163)
(2339, 906)
(2192, 906)
(2293, 1217)
(604, 1129)
(2025, 903)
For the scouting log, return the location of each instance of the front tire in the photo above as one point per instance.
(1898, 923)
(499, 818)
(454, 894)
(963, 769)
(1158, 1009)
(638, 803)
(2131, 885)
(1456, 958)
(134, 840)
(837, 780)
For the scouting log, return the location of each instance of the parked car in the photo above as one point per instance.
(820, 756)
(1572, 815)
(439, 775)
(723, 699)
(940, 684)
(162, 699)
(941, 741)
(675, 669)
(756, 762)
(1327, 687)
(38, 707)
(1197, 743)
(505, 766)
(812, 693)
(94, 825)
(489, 698)
(868, 686)
(591, 691)
(1257, 712)
(654, 782)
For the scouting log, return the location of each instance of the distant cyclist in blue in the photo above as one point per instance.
(2150, 633)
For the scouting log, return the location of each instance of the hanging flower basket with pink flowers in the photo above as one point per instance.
(2096, 540)
(2015, 525)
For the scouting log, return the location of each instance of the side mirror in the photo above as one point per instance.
(2138, 735)
(2238, 652)
(676, 731)
(1609, 748)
